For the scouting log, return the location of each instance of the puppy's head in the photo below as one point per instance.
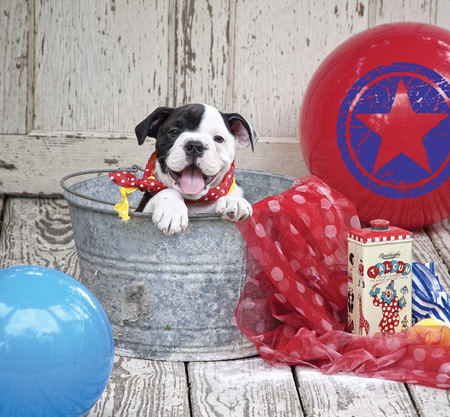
(195, 145)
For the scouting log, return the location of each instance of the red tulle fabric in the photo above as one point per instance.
(294, 304)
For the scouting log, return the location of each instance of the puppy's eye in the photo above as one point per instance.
(173, 132)
(218, 139)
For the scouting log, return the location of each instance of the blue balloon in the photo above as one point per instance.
(56, 344)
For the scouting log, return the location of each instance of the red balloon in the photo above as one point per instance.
(375, 123)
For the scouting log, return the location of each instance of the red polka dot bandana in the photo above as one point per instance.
(149, 182)
(294, 304)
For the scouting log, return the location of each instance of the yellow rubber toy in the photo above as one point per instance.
(432, 331)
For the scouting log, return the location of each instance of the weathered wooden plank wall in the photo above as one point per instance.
(74, 81)
(14, 64)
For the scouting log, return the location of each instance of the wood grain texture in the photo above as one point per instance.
(100, 65)
(43, 161)
(38, 232)
(406, 10)
(242, 388)
(35, 165)
(431, 250)
(2, 203)
(431, 402)
(201, 52)
(351, 396)
(278, 47)
(142, 388)
(442, 13)
(14, 23)
(440, 235)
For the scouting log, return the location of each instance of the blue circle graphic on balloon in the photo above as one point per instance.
(393, 130)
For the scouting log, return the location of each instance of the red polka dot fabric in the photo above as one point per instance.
(294, 304)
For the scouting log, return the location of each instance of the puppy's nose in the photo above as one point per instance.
(194, 148)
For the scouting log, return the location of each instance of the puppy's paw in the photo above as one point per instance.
(233, 208)
(170, 214)
(171, 219)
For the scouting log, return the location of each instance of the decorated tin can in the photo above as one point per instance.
(379, 279)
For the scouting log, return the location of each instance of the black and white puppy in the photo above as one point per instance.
(195, 148)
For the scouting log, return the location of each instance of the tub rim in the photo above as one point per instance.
(69, 193)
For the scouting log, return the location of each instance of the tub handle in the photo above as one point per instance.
(133, 168)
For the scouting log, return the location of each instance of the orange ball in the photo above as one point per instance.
(432, 331)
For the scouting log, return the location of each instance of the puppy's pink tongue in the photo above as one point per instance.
(191, 181)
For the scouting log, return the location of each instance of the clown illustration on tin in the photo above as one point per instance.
(384, 301)
(391, 306)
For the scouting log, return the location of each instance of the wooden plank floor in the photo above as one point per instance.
(38, 231)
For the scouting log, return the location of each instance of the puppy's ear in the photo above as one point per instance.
(149, 126)
(242, 130)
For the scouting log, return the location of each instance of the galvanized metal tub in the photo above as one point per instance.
(168, 298)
